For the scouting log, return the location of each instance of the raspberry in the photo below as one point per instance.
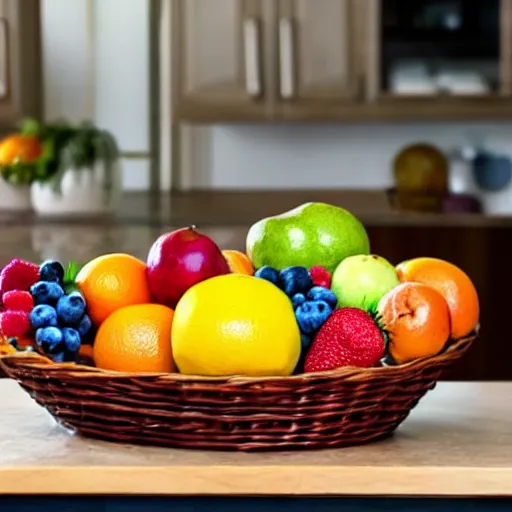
(18, 275)
(18, 300)
(320, 276)
(14, 324)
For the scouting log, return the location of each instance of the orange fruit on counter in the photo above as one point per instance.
(136, 339)
(24, 148)
(453, 284)
(111, 282)
(238, 262)
(417, 319)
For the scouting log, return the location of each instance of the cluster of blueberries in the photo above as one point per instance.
(60, 320)
(312, 304)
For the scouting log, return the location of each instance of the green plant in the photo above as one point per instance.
(87, 147)
(19, 173)
(64, 147)
(54, 137)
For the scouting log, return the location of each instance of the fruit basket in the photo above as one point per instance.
(315, 344)
(349, 406)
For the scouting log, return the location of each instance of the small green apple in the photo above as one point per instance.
(360, 281)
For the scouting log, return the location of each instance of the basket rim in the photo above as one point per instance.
(36, 361)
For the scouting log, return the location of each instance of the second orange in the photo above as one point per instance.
(452, 283)
(111, 282)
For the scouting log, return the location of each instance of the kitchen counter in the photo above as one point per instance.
(241, 209)
(456, 443)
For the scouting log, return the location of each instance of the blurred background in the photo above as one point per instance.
(123, 119)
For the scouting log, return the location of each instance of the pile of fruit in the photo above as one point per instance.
(306, 296)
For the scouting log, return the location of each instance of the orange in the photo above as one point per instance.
(86, 354)
(136, 339)
(111, 282)
(453, 284)
(238, 262)
(417, 320)
(24, 148)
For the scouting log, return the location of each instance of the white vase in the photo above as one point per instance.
(14, 197)
(82, 193)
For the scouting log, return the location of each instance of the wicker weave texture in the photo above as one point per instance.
(349, 406)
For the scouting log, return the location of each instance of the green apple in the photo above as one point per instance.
(311, 234)
(361, 281)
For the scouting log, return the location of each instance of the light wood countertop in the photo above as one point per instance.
(457, 442)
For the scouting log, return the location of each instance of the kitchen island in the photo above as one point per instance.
(455, 451)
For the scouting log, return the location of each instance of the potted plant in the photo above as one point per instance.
(78, 172)
(18, 152)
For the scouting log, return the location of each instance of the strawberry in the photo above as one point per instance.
(350, 337)
(18, 275)
(14, 324)
(320, 276)
(18, 300)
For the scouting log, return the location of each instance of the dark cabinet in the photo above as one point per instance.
(482, 252)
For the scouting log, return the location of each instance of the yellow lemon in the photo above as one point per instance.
(235, 324)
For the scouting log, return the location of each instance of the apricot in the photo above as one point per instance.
(417, 319)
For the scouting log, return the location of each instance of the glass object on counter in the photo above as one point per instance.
(421, 167)
(421, 178)
(431, 47)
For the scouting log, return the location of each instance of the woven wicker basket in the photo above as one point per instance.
(344, 407)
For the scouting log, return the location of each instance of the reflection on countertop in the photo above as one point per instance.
(233, 208)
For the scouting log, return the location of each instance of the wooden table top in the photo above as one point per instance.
(457, 442)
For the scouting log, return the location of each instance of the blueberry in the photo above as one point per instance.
(49, 339)
(59, 357)
(267, 273)
(294, 280)
(43, 316)
(305, 341)
(321, 293)
(298, 299)
(71, 308)
(312, 315)
(84, 326)
(51, 271)
(46, 292)
(72, 340)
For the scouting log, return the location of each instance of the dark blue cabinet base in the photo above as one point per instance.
(151, 504)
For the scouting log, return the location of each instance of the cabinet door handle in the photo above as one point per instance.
(4, 58)
(286, 58)
(252, 57)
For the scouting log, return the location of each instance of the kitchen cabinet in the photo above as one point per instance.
(455, 56)
(262, 59)
(341, 60)
(220, 60)
(20, 61)
(318, 71)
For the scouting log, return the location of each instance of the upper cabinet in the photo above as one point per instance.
(20, 62)
(456, 53)
(318, 73)
(319, 60)
(218, 59)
